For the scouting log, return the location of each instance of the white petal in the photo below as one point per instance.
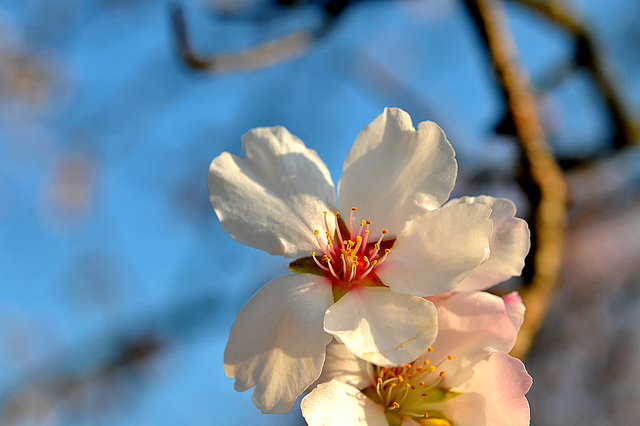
(471, 326)
(382, 327)
(277, 343)
(342, 365)
(503, 381)
(394, 173)
(438, 250)
(510, 242)
(336, 403)
(272, 199)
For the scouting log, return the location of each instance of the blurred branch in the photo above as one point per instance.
(548, 191)
(266, 53)
(590, 57)
(107, 365)
(256, 57)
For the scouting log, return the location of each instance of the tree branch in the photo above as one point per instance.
(549, 191)
(590, 57)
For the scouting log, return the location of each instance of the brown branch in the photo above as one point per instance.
(589, 56)
(550, 210)
(262, 55)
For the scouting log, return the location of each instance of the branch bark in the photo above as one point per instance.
(550, 195)
(589, 56)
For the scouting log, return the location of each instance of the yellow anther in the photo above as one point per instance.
(313, 253)
(418, 367)
(449, 357)
(427, 362)
(366, 231)
(426, 415)
(395, 404)
(442, 373)
(393, 385)
(354, 209)
(430, 349)
(363, 222)
(407, 366)
(421, 383)
(338, 215)
(431, 369)
(328, 234)
(365, 258)
(377, 246)
(374, 262)
(379, 381)
(326, 258)
(387, 251)
(400, 378)
(408, 384)
(325, 212)
(385, 231)
(316, 232)
(359, 242)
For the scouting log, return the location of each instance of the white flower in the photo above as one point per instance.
(365, 275)
(466, 378)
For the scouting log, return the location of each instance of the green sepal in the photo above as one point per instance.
(306, 265)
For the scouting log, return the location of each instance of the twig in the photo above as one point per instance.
(590, 57)
(264, 54)
(550, 210)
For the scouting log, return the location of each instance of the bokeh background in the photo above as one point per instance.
(118, 286)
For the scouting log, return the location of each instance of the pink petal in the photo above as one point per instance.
(503, 381)
(471, 326)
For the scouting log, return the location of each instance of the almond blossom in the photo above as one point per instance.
(465, 378)
(360, 277)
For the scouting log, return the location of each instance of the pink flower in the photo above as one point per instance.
(362, 277)
(465, 378)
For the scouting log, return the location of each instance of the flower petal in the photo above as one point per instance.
(468, 409)
(336, 403)
(503, 381)
(510, 242)
(515, 308)
(273, 198)
(277, 343)
(382, 327)
(342, 365)
(471, 326)
(438, 250)
(394, 173)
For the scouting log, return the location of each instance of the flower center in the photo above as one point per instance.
(410, 390)
(348, 256)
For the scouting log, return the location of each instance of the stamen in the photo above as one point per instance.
(358, 244)
(338, 228)
(353, 209)
(324, 268)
